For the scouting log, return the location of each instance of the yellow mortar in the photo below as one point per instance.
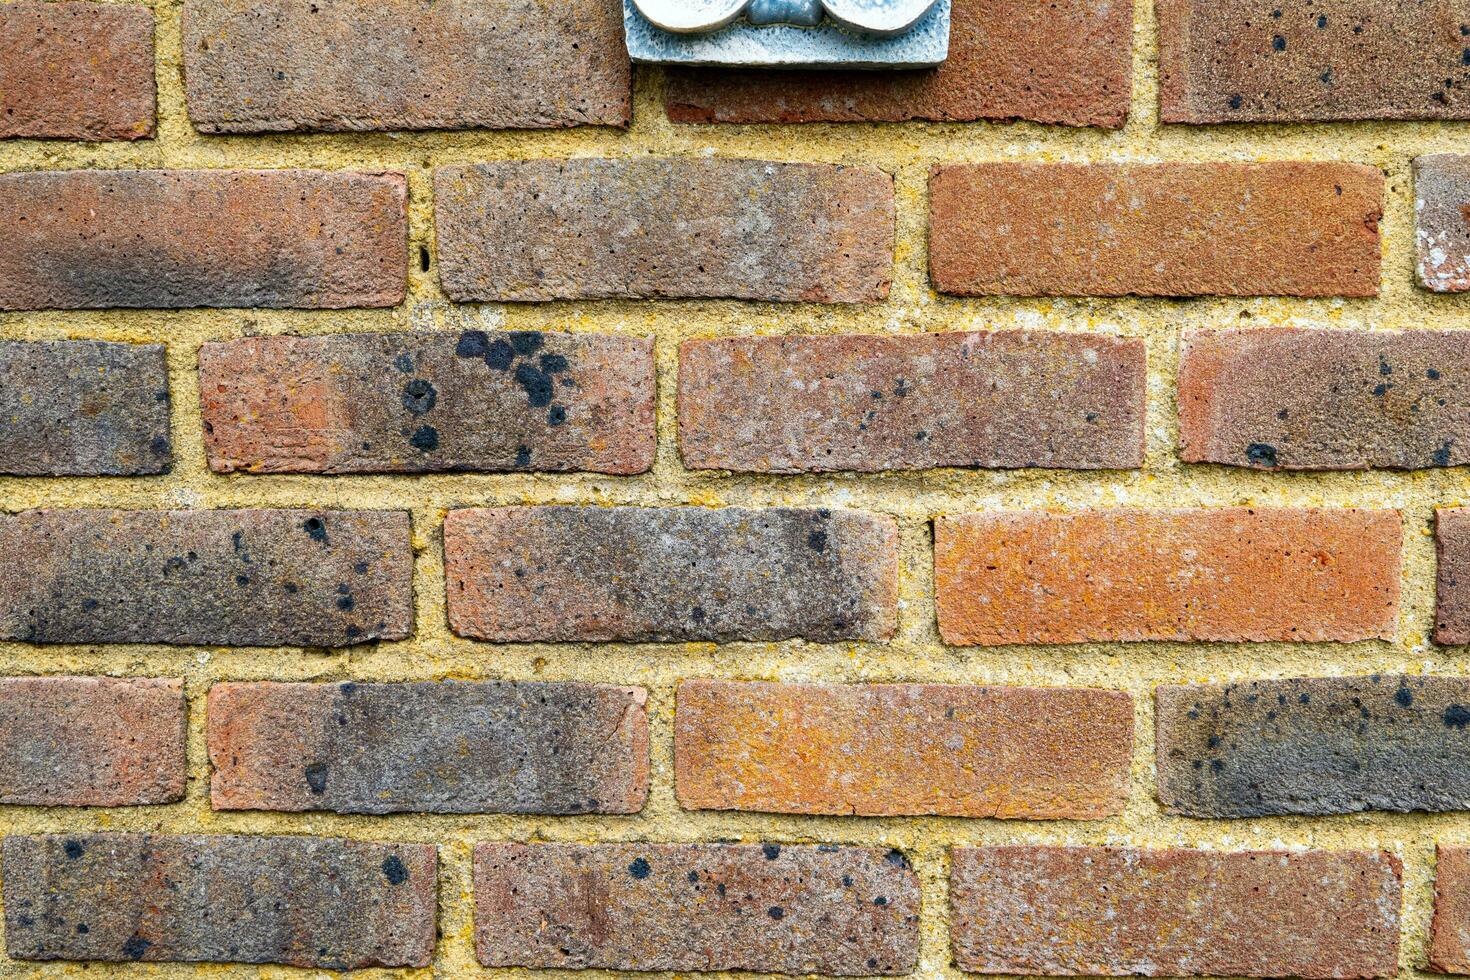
(907, 151)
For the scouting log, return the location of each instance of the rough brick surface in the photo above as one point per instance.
(1325, 399)
(837, 911)
(1226, 574)
(1171, 229)
(1314, 746)
(283, 65)
(1449, 936)
(903, 749)
(1107, 911)
(1065, 62)
(300, 901)
(83, 408)
(1253, 61)
(407, 403)
(86, 239)
(1442, 216)
(1008, 399)
(91, 741)
(529, 574)
(77, 71)
(587, 229)
(1452, 607)
(442, 748)
(233, 577)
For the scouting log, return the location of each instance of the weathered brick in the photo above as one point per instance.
(1257, 61)
(410, 403)
(1007, 399)
(1449, 936)
(549, 574)
(838, 911)
(231, 577)
(1065, 62)
(285, 65)
(83, 408)
(442, 748)
(1325, 399)
(1170, 229)
(1442, 215)
(77, 71)
(1228, 574)
(1111, 911)
(1314, 746)
(1452, 606)
(91, 741)
(87, 239)
(534, 230)
(300, 901)
(1043, 753)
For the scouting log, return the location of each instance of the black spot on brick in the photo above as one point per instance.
(425, 438)
(83, 929)
(1236, 102)
(419, 397)
(316, 528)
(1441, 456)
(639, 868)
(554, 363)
(90, 605)
(1278, 43)
(74, 849)
(693, 877)
(817, 541)
(523, 456)
(526, 342)
(1262, 454)
(1322, 22)
(346, 603)
(500, 355)
(1457, 716)
(316, 778)
(1381, 390)
(135, 947)
(557, 415)
(404, 363)
(697, 614)
(1404, 697)
(776, 912)
(771, 851)
(897, 858)
(472, 343)
(536, 384)
(881, 900)
(394, 871)
(159, 446)
(1432, 374)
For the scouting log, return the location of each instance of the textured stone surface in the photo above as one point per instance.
(1302, 60)
(547, 574)
(231, 577)
(91, 741)
(1325, 399)
(1225, 574)
(1452, 606)
(284, 65)
(1314, 746)
(1442, 216)
(1171, 229)
(1009, 399)
(87, 239)
(77, 71)
(83, 408)
(587, 229)
(1449, 936)
(301, 901)
(440, 747)
(837, 911)
(1065, 62)
(1110, 911)
(410, 403)
(903, 749)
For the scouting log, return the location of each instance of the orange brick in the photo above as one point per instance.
(1226, 575)
(903, 749)
(1171, 229)
(1449, 936)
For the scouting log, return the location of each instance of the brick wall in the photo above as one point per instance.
(467, 505)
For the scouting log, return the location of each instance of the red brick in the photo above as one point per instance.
(457, 747)
(1452, 607)
(415, 403)
(286, 65)
(1110, 911)
(1249, 61)
(1229, 574)
(77, 71)
(1008, 399)
(1041, 753)
(1171, 229)
(586, 574)
(299, 901)
(216, 577)
(1063, 62)
(1325, 399)
(837, 911)
(527, 231)
(1449, 936)
(91, 741)
(1442, 220)
(88, 239)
